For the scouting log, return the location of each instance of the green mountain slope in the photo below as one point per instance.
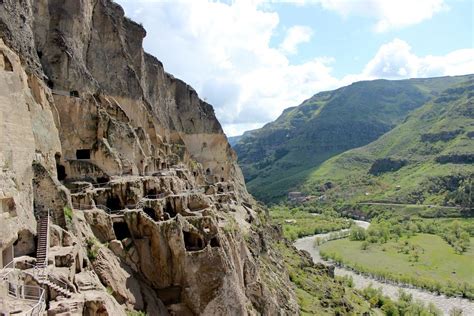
(282, 155)
(427, 159)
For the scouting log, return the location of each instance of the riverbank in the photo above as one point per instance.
(445, 304)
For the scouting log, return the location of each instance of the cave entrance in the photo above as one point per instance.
(208, 171)
(60, 170)
(193, 241)
(102, 180)
(215, 242)
(83, 154)
(150, 212)
(121, 230)
(151, 193)
(170, 209)
(114, 203)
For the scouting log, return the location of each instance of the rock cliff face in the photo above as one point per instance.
(148, 207)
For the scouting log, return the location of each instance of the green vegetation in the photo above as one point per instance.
(68, 215)
(303, 221)
(428, 159)
(424, 260)
(317, 292)
(404, 306)
(416, 160)
(93, 246)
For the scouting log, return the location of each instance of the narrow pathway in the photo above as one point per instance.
(442, 302)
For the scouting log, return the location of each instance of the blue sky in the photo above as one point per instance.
(252, 58)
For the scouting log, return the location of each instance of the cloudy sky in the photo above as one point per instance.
(252, 58)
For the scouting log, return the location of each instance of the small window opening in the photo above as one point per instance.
(74, 93)
(222, 179)
(83, 154)
(121, 230)
(220, 190)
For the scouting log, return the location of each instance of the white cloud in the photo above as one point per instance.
(224, 52)
(395, 60)
(295, 36)
(389, 14)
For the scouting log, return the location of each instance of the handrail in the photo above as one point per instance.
(21, 291)
(78, 206)
(155, 196)
(10, 265)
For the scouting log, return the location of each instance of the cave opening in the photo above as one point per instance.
(121, 230)
(150, 212)
(74, 93)
(220, 190)
(60, 169)
(170, 209)
(208, 171)
(114, 203)
(151, 192)
(102, 180)
(192, 241)
(215, 242)
(50, 83)
(83, 154)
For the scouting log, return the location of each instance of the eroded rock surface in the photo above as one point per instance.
(148, 207)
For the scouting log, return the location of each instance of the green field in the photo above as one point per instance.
(298, 223)
(437, 268)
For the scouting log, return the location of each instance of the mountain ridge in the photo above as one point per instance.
(277, 158)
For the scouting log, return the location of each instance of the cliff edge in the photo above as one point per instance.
(118, 188)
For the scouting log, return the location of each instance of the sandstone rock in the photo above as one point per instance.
(95, 122)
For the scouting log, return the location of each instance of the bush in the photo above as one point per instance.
(357, 233)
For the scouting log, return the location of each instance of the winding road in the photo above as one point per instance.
(444, 303)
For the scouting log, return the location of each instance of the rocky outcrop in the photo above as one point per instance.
(389, 164)
(148, 207)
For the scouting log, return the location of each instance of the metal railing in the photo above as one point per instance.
(82, 207)
(28, 293)
(155, 196)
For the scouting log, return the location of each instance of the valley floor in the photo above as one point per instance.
(438, 265)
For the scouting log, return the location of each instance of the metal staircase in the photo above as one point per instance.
(40, 271)
(42, 246)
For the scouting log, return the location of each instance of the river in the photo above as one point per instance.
(442, 302)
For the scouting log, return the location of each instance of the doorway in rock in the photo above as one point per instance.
(170, 209)
(114, 203)
(150, 212)
(60, 169)
(121, 230)
(193, 241)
